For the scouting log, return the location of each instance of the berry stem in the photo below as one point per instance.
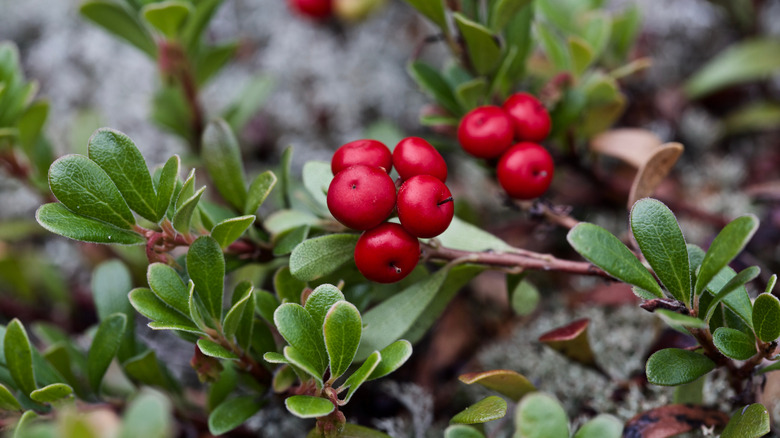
(445, 201)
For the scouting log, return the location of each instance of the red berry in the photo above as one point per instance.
(486, 132)
(368, 152)
(361, 197)
(387, 253)
(525, 170)
(415, 156)
(530, 118)
(317, 9)
(425, 206)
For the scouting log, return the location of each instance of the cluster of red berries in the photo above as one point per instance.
(511, 133)
(362, 196)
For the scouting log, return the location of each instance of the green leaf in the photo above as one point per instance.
(287, 287)
(259, 190)
(773, 367)
(301, 361)
(749, 422)
(462, 431)
(166, 186)
(235, 315)
(111, 282)
(265, 303)
(317, 176)
(581, 54)
(393, 356)
(118, 156)
(506, 382)
(676, 320)
(51, 393)
(30, 124)
(222, 158)
(625, 28)
(433, 84)
(104, 347)
(602, 426)
(524, 297)
(361, 375)
(503, 11)
(59, 220)
(148, 305)
(488, 409)
(539, 415)
(206, 267)
(7, 400)
(433, 10)
(321, 300)
(148, 415)
(18, 356)
(662, 243)
(727, 244)
(306, 406)
(766, 317)
(230, 230)
(299, 329)
(734, 343)
(471, 93)
(121, 22)
(182, 219)
(597, 32)
(342, 329)
(286, 242)
(483, 48)
(167, 16)
(604, 250)
(284, 220)
(734, 284)
(464, 236)
(86, 189)
(212, 349)
(21, 427)
(249, 101)
(554, 48)
(166, 283)
(146, 369)
(745, 61)
(321, 256)
(674, 366)
(197, 22)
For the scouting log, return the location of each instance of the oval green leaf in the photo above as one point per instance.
(166, 186)
(206, 267)
(433, 84)
(342, 329)
(766, 317)
(607, 252)
(488, 409)
(317, 176)
(306, 406)
(212, 349)
(229, 230)
(182, 219)
(462, 431)
(116, 19)
(222, 158)
(118, 156)
(433, 10)
(86, 189)
(734, 343)
(483, 49)
(233, 319)
(674, 366)
(104, 347)
(749, 422)
(321, 300)
(736, 283)
(315, 258)
(259, 190)
(147, 304)
(18, 356)
(7, 400)
(302, 362)
(167, 16)
(166, 283)
(393, 357)
(298, 328)
(727, 244)
(540, 416)
(662, 243)
(148, 416)
(360, 375)
(603, 426)
(233, 413)
(51, 393)
(464, 236)
(58, 219)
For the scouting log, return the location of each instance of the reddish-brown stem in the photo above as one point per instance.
(175, 64)
(510, 260)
